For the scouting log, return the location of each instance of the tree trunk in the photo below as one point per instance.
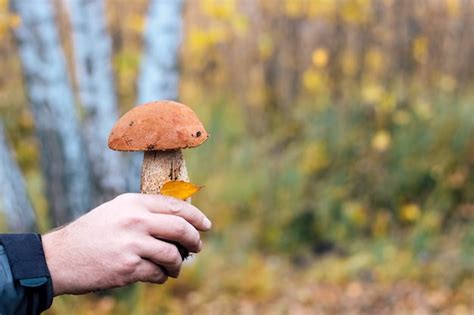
(15, 207)
(64, 160)
(159, 75)
(97, 94)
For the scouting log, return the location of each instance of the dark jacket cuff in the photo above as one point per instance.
(29, 269)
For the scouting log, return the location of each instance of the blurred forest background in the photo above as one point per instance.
(340, 170)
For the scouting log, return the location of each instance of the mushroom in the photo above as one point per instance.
(160, 129)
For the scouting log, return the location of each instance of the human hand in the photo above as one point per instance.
(121, 242)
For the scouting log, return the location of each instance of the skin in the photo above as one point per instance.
(118, 243)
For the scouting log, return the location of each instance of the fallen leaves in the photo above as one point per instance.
(179, 189)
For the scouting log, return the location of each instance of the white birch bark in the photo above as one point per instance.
(159, 73)
(94, 75)
(15, 206)
(64, 160)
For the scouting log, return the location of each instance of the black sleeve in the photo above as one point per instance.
(29, 272)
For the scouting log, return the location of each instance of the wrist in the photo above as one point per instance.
(53, 253)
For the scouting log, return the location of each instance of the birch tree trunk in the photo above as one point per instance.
(159, 75)
(64, 161)
(93, 53)
(15, 206)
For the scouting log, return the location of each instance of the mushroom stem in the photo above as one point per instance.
(158, 168)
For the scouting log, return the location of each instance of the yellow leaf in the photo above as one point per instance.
(223, 10)
(179, 189)
(355, 212)
(447, 83)
(372, 93)
(315, 158)
(453, 7)
(420, 49)
(410, 212)
(381, 140)
(294, 8)
(381, 224)
(313, 80)
(320, 57)
(374, 60)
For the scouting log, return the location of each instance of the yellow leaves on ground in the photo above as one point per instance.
(356, 212)
(315, 158)
(410, 212)
(381, 224)
(375, 94)
(179, 189)
(381, 140)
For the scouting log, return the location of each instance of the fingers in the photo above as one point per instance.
(163, 254)
(174, 228)
(149, 272)
(168, 205)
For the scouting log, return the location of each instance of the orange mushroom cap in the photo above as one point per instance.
(158, 126)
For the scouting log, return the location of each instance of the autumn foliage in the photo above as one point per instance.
(340, 172)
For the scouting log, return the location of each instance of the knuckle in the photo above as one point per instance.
(160, 277)
(171, 254)
(129, 265)
(193, 238)
(133, 220)
(181, 226)
(132, 245)
(175, 205)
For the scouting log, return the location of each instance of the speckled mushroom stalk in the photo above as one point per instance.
(161, 166)
(161, 129)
